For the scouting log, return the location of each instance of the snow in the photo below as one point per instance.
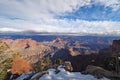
(35, 75)
(62, 75)
(65, 75)
(25, 75)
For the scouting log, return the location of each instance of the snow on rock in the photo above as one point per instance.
(65, 75)
(35, 75)
(62, 75)
(24, 76)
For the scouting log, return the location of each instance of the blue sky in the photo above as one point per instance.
(68, 16)
(94, 13)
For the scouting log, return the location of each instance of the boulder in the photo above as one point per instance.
(99, 72)
(68, 66)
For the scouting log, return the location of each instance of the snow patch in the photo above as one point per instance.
(24, 76)
(65, 75)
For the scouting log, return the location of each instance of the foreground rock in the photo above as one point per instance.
(99, 72)
(67, 66)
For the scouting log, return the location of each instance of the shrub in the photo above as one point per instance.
(20, 66)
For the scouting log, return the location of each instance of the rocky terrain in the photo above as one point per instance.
(80, 54)
(63, 74)
(100, 72)
(80, 62)
(64, 48)
(28, 48)
(32, 50)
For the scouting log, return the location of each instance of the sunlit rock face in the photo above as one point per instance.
(30, 49)
(21, 42)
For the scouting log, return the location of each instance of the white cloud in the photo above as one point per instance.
(64, 25)
(114, 4)
(42, 9)
(38, 9)
(9, 29)
(40, 15)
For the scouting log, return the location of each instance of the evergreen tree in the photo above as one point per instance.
(47, 61)
(110, 63)
(5, 60)
(58, 61)
(38, 65)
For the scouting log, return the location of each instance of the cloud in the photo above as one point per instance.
(42, 9)
(42, 15)
(62, 26)
(9, 29)
(114, 4)
(38, 9)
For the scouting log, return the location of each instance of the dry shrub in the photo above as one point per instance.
(20, 66)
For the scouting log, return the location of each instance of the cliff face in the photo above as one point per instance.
(30, 49)
(21, 42)
(115, 47)
(80, 62)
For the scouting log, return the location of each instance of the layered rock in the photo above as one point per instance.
(21, 42)
(30, 49)
(66, 49)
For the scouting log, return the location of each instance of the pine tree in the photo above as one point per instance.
(47, 61)
(38, 66)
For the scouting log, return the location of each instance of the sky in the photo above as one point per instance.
(61, 16)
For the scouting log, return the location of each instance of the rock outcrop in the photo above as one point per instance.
(115, 47)
(99, 72)
(21, 42)
(68, 66)
(30, 49)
